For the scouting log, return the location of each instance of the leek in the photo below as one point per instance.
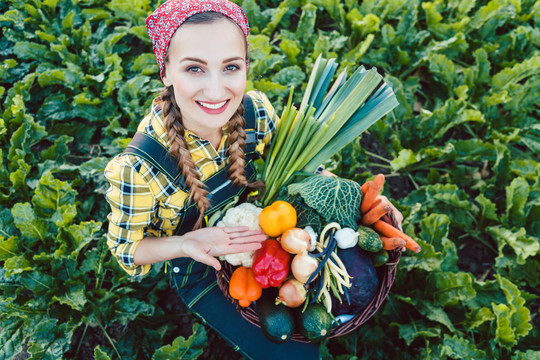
(326, 121)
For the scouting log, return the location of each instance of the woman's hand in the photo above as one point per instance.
(394, 216)
(204, 245)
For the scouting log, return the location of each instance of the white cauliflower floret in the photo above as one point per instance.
(245, 214)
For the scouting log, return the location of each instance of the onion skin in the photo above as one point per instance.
(303, 266)
(295, 241)
(291, 293)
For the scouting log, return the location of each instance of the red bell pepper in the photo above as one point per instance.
(271, 264)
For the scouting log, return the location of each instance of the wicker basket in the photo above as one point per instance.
(386, 274)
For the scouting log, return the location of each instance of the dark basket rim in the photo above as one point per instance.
(386, 280)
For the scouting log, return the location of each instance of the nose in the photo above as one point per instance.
(214, 89)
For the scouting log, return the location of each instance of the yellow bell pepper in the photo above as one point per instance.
(277, 217)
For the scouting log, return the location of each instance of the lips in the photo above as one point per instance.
(213, 108)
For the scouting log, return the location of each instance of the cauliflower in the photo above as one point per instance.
(245, 214)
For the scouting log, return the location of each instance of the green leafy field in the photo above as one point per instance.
(461, 156)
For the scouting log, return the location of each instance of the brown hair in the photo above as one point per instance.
(176, 132)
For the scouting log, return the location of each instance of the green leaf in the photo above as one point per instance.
(443, 69)
(27, 222)
(523, 245)
(129, 309)
(74, 296)
(459, 348)
(181, 348)
(59, 150)
(477, 317)
(100, 354)
(82, 234)
(516, 198)
(63, 77)
(31, 50)
(434, 230)
(12, 336)
(51, 194)
(435, 313)
(51, 339)
(519, 319)
(410, 332)
(516, 73)
(448, 289)
(527, 355)
(290, 76)
(405, 158)
(488, 209)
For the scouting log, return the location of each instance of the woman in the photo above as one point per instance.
(191, 156)
(201, 48)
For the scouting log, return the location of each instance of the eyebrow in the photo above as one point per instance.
(235, 58)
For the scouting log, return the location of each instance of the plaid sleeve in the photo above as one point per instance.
(267, 119)
(132, 210)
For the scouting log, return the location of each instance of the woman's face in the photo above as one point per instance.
(207, 69)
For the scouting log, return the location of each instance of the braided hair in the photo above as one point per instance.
(179, 150)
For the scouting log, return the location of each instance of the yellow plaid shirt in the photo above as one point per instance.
(145, 203)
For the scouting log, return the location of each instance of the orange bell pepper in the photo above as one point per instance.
(276, 218)
(243, 286)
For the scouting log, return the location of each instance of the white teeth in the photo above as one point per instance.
(212, 106)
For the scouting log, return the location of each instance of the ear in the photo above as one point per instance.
(165, 79)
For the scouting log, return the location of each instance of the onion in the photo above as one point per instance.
(295, 241)
(303, 266)
(291, 293)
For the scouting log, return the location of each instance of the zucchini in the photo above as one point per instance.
(368, 239)
(277, 321)
(380, 258)
(314, 323)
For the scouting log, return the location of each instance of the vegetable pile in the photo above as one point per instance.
(333, 271)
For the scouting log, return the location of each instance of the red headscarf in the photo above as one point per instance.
(164, 21)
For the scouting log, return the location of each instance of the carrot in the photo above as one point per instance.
(364, 188)
(392, 243)
(378, 210)
(371, 193)
(387, 230)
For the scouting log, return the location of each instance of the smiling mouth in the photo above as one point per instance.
(212, 106)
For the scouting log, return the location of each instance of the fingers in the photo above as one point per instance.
(207, 259)
(255, 238)
(240, 248)
(234, 229)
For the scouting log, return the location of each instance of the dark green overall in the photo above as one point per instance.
(196, 282)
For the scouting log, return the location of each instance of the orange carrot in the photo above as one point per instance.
(378, 210)
(387, 230)
(364, 188)
(392, 243)
(371, 193)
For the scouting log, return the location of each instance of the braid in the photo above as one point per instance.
(237, 139)
(175, 131)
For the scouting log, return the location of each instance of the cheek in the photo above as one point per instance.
(184, 89)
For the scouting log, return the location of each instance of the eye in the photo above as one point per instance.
(194, 69)
(232, 67)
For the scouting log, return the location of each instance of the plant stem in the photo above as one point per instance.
(376, 156)
(108, 337)
(81, 340)
(414, 182)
